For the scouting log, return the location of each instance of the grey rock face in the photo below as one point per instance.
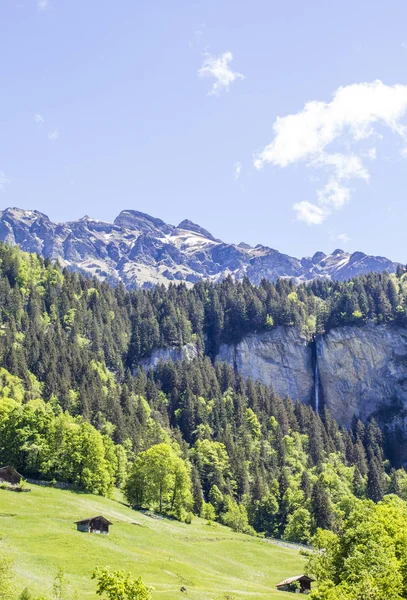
(363, 370)
(190, 226)
(141, 250)
(187, 352)
(281, 358)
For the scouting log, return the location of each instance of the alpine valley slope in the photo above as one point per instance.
(141, 250)
(211, 561)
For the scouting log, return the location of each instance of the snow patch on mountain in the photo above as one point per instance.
(141, 250)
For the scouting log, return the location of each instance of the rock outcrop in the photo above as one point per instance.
(281, 358)
(362, 370)
(141, 250)
(187, 352)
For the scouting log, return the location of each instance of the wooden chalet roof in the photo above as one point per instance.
(295, 578)
(99, 518)
(10, 472)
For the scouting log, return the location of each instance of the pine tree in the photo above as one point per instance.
(321, 509)
(375, 480)
(306, 485)
(358, 484)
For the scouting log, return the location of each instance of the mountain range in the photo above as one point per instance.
(141, 250)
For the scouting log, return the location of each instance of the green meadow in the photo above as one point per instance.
(210, 561)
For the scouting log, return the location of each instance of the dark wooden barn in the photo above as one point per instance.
(300, 584)
(10, 475)
(94, 525)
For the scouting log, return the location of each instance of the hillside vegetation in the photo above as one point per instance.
(74, 407)
(189, 439)
(212, 562)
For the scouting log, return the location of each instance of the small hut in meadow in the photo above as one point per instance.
(10, 475)
(300, 584)
(94, 525)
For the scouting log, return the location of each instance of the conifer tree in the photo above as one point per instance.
(321, 509)
(375, 480)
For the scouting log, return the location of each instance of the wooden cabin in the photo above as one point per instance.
(94, 525)
(10, 475)
(300, 584)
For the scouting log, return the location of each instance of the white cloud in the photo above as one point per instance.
(351, 116)
(218, 68)
(43, 4)
(371, 153)
(310, 213)
(333, 194)
(344, 238)
(53, 135)
(39, 119)
(3, 180)
(343, 166)
(238, 169)
(341, 237)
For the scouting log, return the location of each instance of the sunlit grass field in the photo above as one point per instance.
(210, 561)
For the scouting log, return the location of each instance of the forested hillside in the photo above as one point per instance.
(75, 406)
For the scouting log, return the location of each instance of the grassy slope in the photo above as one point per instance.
(210, 561)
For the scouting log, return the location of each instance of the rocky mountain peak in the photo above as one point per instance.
(318, 256)
(19, 215)
(139, 221)
(141, 250)
(190, 226)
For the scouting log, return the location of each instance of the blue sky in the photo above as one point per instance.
(106, 106)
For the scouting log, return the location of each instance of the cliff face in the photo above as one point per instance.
(187, 352)
(362, 370)
(281, 358)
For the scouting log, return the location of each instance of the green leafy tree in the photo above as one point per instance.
(216, 498)
(60, 585)
(6, 577)
(27, 595)
(197, 495)
(368, 559)
(253, 423)
(213, 464)
(208, 512)
(235, 517)
(119, 585)
(160, 480)
(298, 528)
(264, 515)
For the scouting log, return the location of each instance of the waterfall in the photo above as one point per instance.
(318, 399)
(316, 384)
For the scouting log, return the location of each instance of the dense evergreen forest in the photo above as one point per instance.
(75, 406)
